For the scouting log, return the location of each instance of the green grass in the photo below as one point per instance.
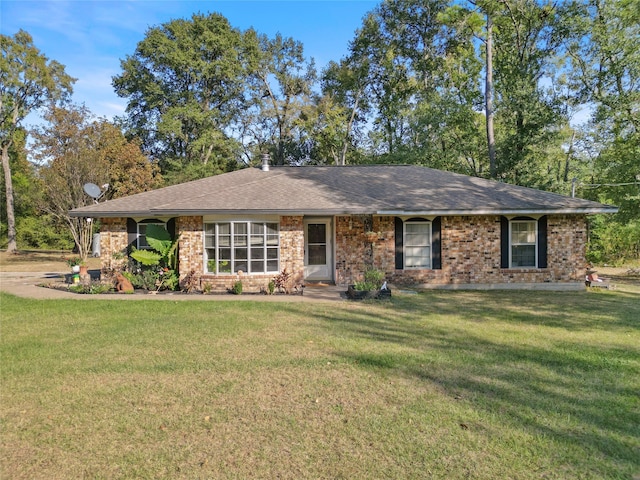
(438, 385)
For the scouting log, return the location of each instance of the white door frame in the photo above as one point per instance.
(319, 272)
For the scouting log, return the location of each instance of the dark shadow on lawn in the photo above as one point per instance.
(532, 386)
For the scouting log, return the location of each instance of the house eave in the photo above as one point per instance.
(546, 211)
(345, 211)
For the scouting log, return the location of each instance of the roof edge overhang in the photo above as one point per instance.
(346, 211)
(542, 211)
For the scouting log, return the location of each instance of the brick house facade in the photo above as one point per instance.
(470, 253)
(419, 226)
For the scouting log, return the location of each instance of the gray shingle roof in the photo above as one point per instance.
(330, 190)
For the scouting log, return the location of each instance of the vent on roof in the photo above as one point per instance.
(265, 162)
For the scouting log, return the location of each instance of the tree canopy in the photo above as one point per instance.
(28, 81)
(490, 88)
(185, 86)
(75, 149)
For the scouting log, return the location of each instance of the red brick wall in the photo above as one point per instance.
(470, 252)
(113, 242)
(190, 245)
(191, 256)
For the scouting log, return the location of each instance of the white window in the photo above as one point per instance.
(417, 245)
(523, 246)
(142, 243)
(250, 247)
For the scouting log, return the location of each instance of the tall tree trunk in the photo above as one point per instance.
(565, 175)
(8, 185)
(488, 98)
(343, 154)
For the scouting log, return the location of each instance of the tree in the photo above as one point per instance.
(605, 56)
(282, 87)
(186, 90)
(415, 74)
(28, 81)
(344, 106)
(528, 37)
(76, 149)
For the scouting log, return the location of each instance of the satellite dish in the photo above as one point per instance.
(92, 190)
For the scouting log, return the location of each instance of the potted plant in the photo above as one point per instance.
(371, 236)
(84, 269)
(75, 263)
(372, 286)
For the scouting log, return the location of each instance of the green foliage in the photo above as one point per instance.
(93, 288)
(236, 289)
(612, 242)
(41, 232)
(145, 279)
(282, 91)
(168, 280)
(373, 280)
(271, 287)
(146, 257)
(185, 86)
(164, 248)
(28, 81)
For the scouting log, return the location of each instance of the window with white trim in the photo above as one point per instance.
(417, 245)
(250, 247)
(141, 242)
(523, 243)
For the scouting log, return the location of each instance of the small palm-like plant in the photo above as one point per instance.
(163, 248)
(161, 257)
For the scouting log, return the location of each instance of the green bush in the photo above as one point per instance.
(374, 277)
(93, 288)
(373, 280)
(613, 242)
(168, 280)
(144, 279)
(38, 233)
(237, 288)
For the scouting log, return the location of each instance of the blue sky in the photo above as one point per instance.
(91, 37)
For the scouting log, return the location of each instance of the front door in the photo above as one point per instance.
(318, 250)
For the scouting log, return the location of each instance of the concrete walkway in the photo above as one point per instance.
(25, 284)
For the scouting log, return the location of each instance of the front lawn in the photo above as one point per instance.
(438, 385)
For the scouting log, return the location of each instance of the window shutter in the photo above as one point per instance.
(399, 246)
(171, 228)
(132, 234)
(504, 242)
(542, 242)
(436, 244)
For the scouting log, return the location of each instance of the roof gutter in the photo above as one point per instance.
(557, 211)
(345, 211)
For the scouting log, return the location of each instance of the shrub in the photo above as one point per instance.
(281, 281)
(237, 288)
(93, 288)
(373, 280)
(613, 242)
(375, 277)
